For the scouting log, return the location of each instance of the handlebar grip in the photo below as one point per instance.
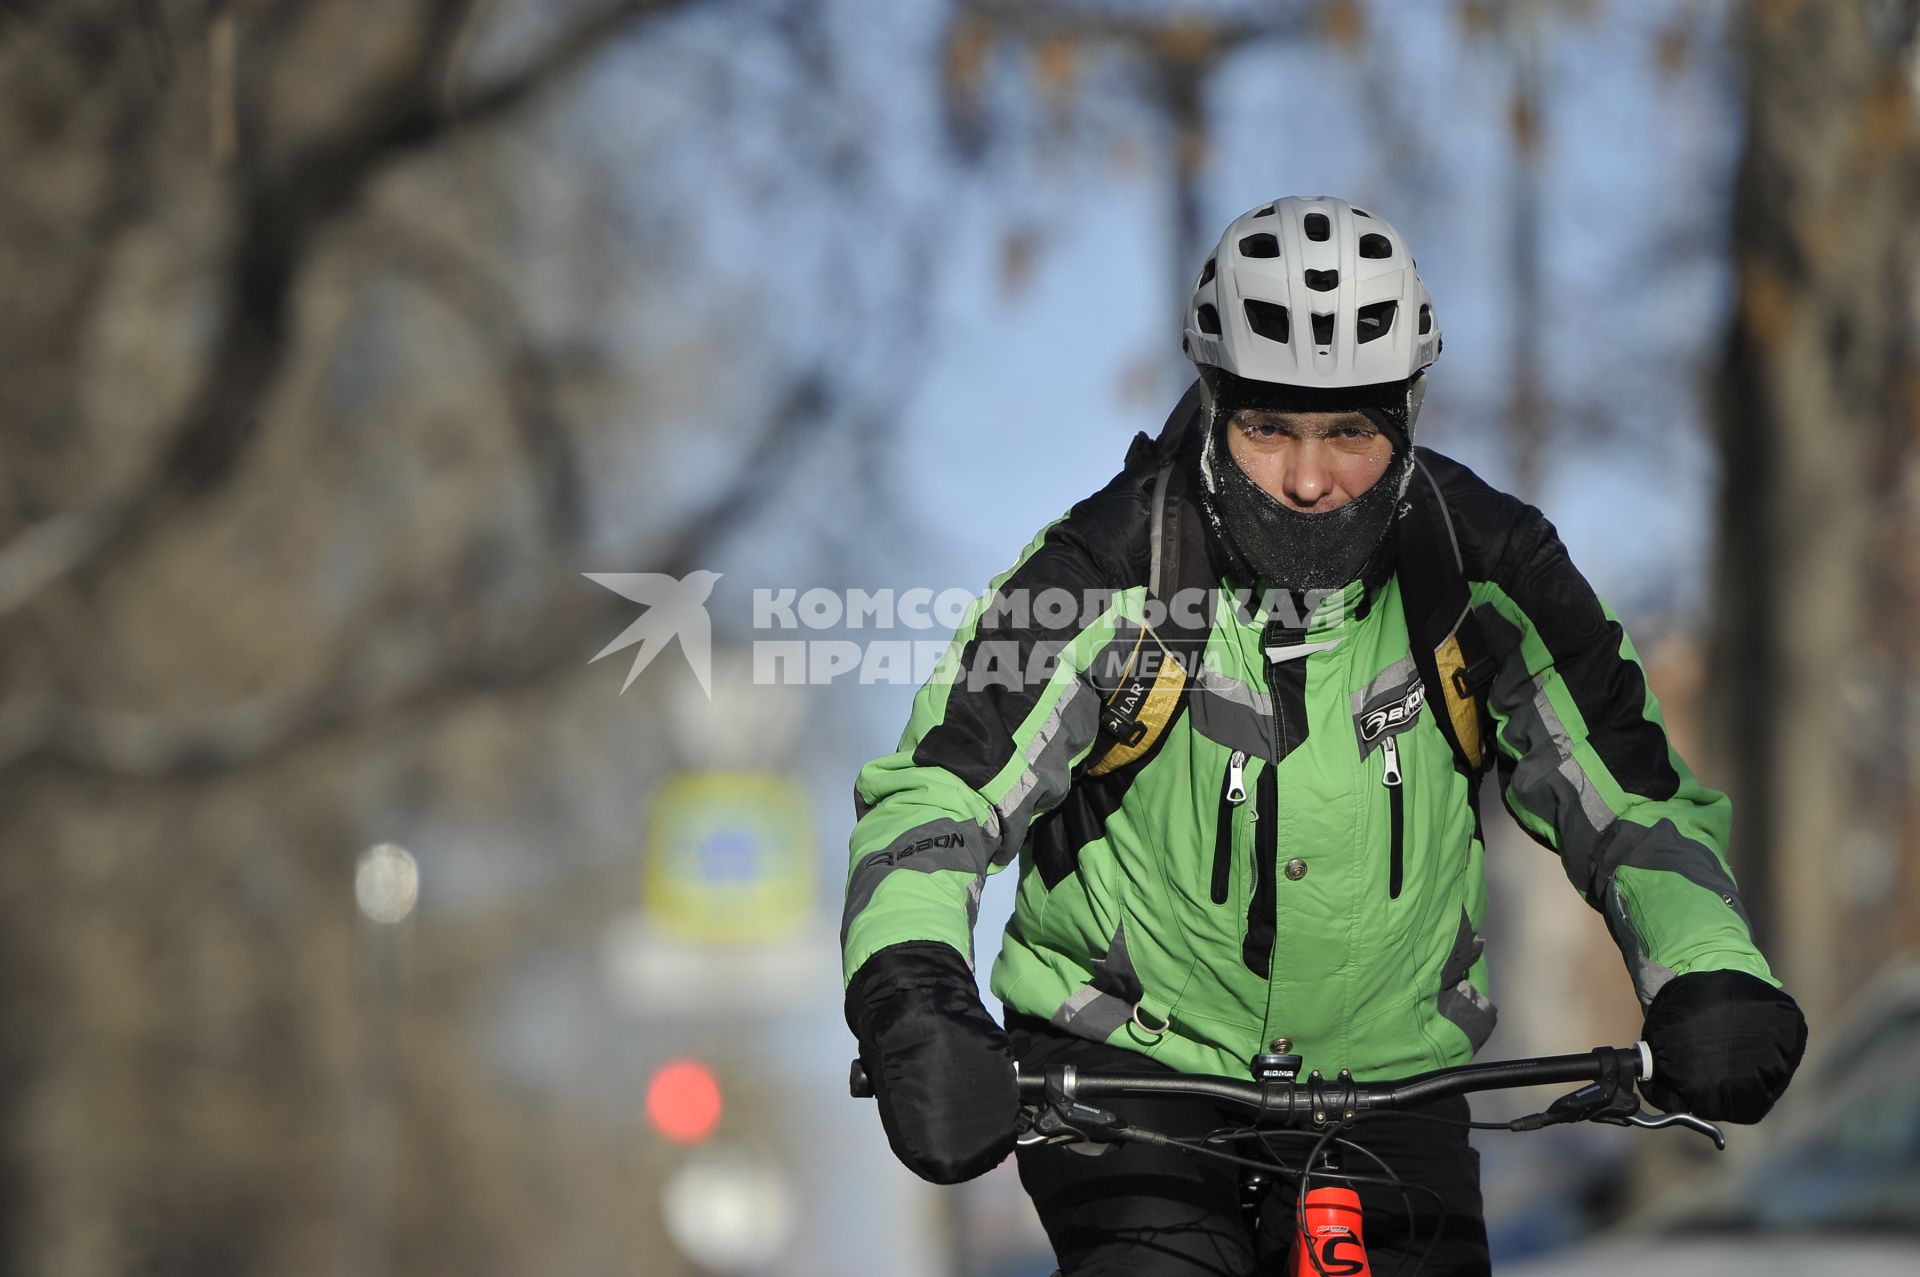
(859, 1085)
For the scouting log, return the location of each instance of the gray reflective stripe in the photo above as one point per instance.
(974, 889)
(1390, 684)
(1459, 1002)
(1470, 1011)
(1546, 719)
(1105, 1003)
(939, 844)
(1231, 713)
(1154, 583)
(1546, 780)
(1068, 728)
(1091, 1013)
(1648, 975)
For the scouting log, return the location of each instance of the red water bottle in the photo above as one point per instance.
(1332, 1236)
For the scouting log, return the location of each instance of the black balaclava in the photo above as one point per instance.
(1279, 547)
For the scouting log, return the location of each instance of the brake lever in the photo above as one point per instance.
(1063, 1119)
(1656, 1121)
(1603, 1101)
(1076, 1124)
(1616, 1105)
(1606, 1100)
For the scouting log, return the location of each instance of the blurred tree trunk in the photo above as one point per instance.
(1527, 416)
(1814, 418)
(316, 314)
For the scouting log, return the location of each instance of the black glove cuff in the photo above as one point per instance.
(922, 969)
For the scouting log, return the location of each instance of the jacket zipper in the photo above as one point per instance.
(1233, 792)
(1393, 779)
(1263, 910)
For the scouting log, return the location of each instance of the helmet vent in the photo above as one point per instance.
(1426, 319)
(1206, 274)
(1323, 330)
(1209, 319)
(1375, 245)
(1361, 212)
(1261, 245)
(1265, 212)
(1268, 320)
(1374, 320)
(1317, 228)
(1323, 281)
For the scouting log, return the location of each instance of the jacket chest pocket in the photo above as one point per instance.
(1384, 712)
(1394, 779)
(1233, 797)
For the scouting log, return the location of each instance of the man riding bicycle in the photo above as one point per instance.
(1230, 714)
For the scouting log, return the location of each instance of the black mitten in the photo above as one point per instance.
(941, 1069)
(1725, 1045)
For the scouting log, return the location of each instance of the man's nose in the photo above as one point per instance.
(1307, 480)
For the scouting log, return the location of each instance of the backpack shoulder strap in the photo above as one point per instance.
(1145, 697)
(1448, 646)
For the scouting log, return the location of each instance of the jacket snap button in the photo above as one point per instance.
(1296, 870)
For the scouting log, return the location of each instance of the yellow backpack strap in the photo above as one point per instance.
(1139, 709)
(1456, 673)
(1444, 634)
(1146, 696)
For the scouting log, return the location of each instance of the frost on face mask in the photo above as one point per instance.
(1286, 548)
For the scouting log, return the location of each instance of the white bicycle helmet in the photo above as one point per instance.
(1308, 304)
(1312, 292)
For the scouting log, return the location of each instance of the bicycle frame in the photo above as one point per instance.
(1331, 1239)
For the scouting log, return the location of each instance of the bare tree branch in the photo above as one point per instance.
(283, 207)
(526, 371)
(155, 747)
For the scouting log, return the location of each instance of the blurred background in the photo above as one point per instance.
(352, 921)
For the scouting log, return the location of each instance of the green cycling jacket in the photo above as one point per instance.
(1298, 855)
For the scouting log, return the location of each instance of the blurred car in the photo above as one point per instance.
(1837, 1188)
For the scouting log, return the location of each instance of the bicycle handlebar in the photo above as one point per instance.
(1318, 1101)
(1317, 1096)
(1282, 1102)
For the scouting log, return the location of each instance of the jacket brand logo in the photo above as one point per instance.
(914, 848)
(1397, 714)
(1130, 697)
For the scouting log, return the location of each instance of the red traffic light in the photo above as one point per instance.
(683, 1101)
